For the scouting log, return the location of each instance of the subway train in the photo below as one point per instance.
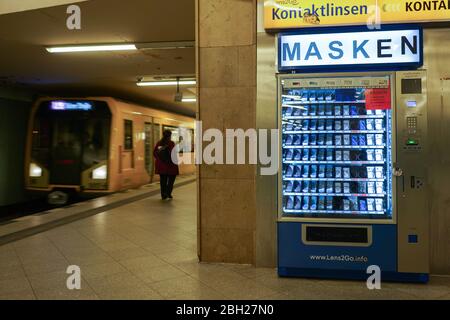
(96, 145)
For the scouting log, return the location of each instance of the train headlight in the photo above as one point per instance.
(101, 173)
(35, 170)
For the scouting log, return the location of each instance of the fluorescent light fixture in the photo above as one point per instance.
(166, 83)
(92, 48)
(189, 100)
(100, 173)
(35, 171)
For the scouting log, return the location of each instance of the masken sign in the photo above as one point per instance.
(336, 50)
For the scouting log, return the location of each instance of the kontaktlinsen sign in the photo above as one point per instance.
(394, 48)
(285, 14)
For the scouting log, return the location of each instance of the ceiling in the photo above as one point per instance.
(25, 64)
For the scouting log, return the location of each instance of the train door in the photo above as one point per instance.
(149, 149)
(67, 150)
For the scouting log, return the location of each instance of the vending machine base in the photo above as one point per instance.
(336, 251)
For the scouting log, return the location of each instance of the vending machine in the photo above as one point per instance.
(352, 189)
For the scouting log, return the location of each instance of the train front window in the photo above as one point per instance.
(95, 141)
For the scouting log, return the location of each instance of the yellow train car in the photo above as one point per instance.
(96, 145)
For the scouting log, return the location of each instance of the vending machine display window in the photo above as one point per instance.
(336, 147)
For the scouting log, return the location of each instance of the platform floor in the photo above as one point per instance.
(147, 250)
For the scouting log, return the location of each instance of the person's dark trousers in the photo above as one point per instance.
(166, 181)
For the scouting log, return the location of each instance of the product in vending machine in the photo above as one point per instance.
(305, 203)
(330, 154)
(346, 187)
(287, 112)
(305, 186)
(329, 174)
(305, 171)
(330, 187)
(370, 155)
(297, 172)
(346, 125)
(371, 187)
(354, 205)
(329, 203)
(305, 124)
(321, 140)
(362, 187)
(371, 172)
(338, 187)
(355, 140)
(379, 112)
(304, 111)
(288, 186)
(296, 156)
(320, 95)
(288, 155)
(379, 139)
(313, 205)
(313, 125)
(313, 171)
(305, 139)
(329, 110)
(289, 203)
(346, 172)
(338, 140)
(379, 173)
(379, 124)
(346, 139)
(322, 171)
(370, 140)
(321, 125)
(338, 155)
(321, 156)
(370, 204)
(338, 125)
(305, 155)
(288, 139)
(370, 124)
(353, 110)
(379, 204)
(313, 186)
(346, 203)
(329, 96)
(297, 187)
(289, 171)
(297, 112)
(321, 205)
(370, 112)
(338, 172)
(313, 110)
(338, 111)
(346, 110)
(313, 140)
(329, 139)
(379, 155)
(298, 203)
(346, 155)
(304, 96)
(362, 125)
(321, 110)
(362, 140)
(329, 124)
(321, 187)
(380, 187)
(313, 155)
(312, 96)
(363, 205)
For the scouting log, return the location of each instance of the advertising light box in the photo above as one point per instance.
(337, 50)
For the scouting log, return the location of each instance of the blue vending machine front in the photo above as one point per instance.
(337, 201)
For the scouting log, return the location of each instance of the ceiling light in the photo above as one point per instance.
(92, 48)
(166, 83)
(189, 100)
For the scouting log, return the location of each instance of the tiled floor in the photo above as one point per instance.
(147, 250)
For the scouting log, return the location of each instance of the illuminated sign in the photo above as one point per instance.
(357, 48)
(284, 14)
(70, 105)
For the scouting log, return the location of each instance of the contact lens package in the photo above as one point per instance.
(338, 172)
(329, 187)
(313, 125)
(289, 171)
(379, 173)
(371, 172)
(305, 124)
(313, 171)
(379, 155)
(305, 203)
(313, 205)
(370, 155)
(297, 172)
(321, 125)
(346, 110)
(355, 140)
(362, 140)
(313, 186)
(379, 204)
(338, 155)
(346, 139)
(370, 124)
(362, 187)
(346, 187)
(305, 187)
(353, 110)
(362, 205)
(329, 124)
(370, 204)
(313, 140)
(313, 155)
(322, 171)
(321, 155)
(321, 187)
(371, 187)
(321, 110)
(380, 187)
(330, 154)
(329, 140)
(338, 187)
(346, 173)
(305, 155)
(329, 110)
(346, 125)
(354, 205)
(379, 139)
(338, 111)
(321, 204)
(330, 203)
(313, 110)
(289, 186)
(329, 172)
(346, 156)
(321, 140)
(305, 170)
(297, 187)
(346, 204)
(289, 203)
(338, 140)
(370, 140)
(362, 125)
(305, 139)
(338, 125)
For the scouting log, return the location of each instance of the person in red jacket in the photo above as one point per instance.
(164, 166)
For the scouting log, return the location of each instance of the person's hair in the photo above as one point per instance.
(167, 134)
